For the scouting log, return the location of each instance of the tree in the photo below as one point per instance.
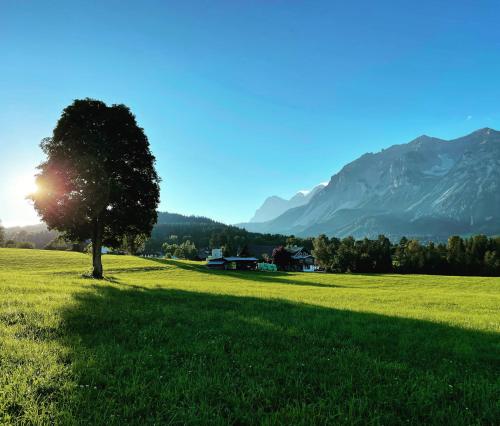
(456, 255)
(185, 250)
(134, 244)
(435, 262)
(169, 249)
(189, 250)
(321, 251)
(243, 251)
(345, 257)
(99, 180)
(383, 258)
(415, 256)
(282, 258)
(475, 250)
(291, 241)
(492, 263)
(227, 249)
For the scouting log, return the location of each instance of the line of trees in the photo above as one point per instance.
(7, 241)
(18, 244)
(184, 250)
(477, 255)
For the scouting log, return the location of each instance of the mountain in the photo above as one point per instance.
(275, 206)
(428, 188)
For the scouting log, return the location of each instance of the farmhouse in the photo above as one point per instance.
(241, 263)
(302, 260)
(233, 263)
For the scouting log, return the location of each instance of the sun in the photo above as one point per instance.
(26, 185)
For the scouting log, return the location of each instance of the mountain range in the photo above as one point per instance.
(428, 188)
(274, 206)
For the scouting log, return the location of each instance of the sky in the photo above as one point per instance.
(240, 99)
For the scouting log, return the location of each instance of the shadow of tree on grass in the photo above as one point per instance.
(156, 356)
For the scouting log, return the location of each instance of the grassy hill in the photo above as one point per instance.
(169, 342)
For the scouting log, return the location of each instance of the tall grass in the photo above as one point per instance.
(169, 342)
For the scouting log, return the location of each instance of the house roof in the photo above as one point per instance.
(235, 259)
(221, 260)
(299, 253)
(294, 249)
(301, 256)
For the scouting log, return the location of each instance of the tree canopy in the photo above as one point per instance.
(99, 181)
(282, 258)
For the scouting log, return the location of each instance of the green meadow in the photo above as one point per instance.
(169, 342)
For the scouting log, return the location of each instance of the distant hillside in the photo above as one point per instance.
(205, 232)
(197, 229)
(429, 188)
(36, 234)
(39, 227)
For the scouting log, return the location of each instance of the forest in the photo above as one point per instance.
(476, 255)
(175, 229)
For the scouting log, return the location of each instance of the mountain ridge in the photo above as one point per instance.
(427, 188)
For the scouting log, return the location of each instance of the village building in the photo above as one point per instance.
(302, 260)
(239, 263)
(233, 263)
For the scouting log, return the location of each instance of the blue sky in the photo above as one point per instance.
(246, 99)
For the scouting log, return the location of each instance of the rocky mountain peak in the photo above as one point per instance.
(428, 188)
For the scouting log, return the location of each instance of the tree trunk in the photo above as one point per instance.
(96, 250)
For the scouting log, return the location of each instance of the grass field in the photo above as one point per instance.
(169, 342)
